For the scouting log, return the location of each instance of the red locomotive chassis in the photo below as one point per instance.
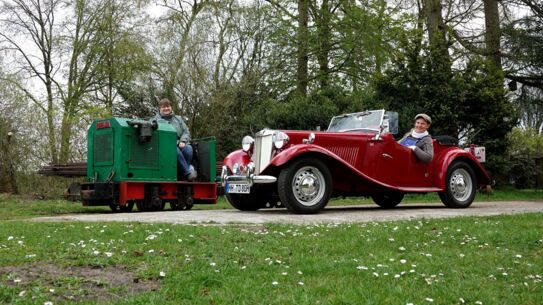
(357, 156)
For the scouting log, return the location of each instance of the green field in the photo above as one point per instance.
(476, 260)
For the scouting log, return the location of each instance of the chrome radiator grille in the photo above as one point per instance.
(263, 149)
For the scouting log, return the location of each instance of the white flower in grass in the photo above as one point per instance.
(401, 248)
(359, 268)
(22, 293)
(108, 254)
(409, 304)
(243, 267)
(518, 256)
(462, 301)
(301, 283)
(429, 300)
(403, 261)
(212, 264)
(10, 237)
(162, 274)
(151, 251)
(376, 274)
(275, 283)
(300, 272)
(52, 290)
(284, 273)
(397, 276)
(48, 303)
(478, 302)
(17, 280)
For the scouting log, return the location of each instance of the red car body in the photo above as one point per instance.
(358, 163)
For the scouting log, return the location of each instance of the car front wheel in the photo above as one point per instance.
(388, 200)
(460, 186)
(305, 186)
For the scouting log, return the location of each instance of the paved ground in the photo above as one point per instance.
(363, 213)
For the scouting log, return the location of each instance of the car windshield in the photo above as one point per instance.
(360, 121)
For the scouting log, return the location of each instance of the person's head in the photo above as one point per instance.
(422, 122)
(165, 107)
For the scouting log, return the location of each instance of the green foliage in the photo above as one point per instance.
(308, 113)
(523, 147)
(469, 104)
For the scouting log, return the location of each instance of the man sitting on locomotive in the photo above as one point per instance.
(184, 149)
(419, 140)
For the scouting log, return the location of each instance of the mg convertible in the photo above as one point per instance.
(356, 156)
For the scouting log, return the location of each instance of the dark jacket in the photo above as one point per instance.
(183, 134)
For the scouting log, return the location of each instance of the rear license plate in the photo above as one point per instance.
(238, 188)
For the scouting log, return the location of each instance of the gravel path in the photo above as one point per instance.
(346, 214)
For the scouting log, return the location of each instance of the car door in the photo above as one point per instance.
(396, 165)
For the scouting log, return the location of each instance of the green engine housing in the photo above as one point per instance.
(122, 149)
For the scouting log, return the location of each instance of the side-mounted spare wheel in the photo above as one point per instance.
(460, 186)
(305, 185)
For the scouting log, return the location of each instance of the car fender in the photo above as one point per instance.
(238, 156)
(448, 157)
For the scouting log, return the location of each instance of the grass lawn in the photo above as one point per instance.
(476, 260)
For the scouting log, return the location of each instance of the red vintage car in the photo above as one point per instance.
(356, 156)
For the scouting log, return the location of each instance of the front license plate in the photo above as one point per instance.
(238, 188)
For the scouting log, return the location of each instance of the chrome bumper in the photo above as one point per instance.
(249, 179)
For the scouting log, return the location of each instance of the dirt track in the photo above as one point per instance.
(362, 213)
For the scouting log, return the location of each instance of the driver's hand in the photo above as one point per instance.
(412, 147)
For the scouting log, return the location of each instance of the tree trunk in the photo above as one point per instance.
(436, 34)
(8, 183)
(493, 33)
(303, 47)
(324, 41)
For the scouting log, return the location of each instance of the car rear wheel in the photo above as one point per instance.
(388, 200)
(305, 186)
(460, 186)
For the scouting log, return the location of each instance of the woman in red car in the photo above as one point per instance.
(419, 140)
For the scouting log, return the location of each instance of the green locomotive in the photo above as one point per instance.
(133, 162)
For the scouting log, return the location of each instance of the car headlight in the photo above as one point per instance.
(280, 139)
(247, 143)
